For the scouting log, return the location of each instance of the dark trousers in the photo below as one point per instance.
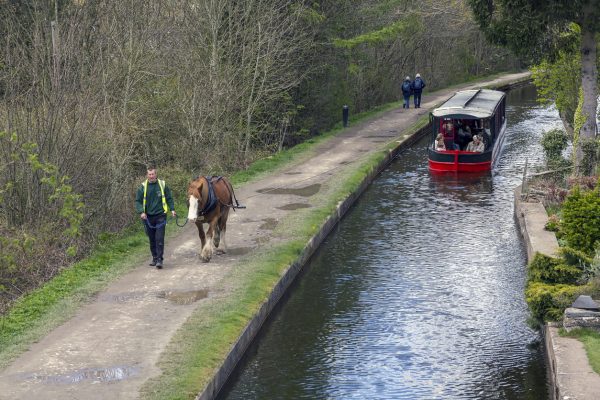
(156, 234)
(417, 96)
(406, 101)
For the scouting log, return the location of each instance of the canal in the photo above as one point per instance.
(417, 294)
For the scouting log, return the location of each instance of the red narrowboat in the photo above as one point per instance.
(468, 131)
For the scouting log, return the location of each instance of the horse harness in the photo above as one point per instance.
(211, 201)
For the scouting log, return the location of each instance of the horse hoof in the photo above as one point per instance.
(219, 251)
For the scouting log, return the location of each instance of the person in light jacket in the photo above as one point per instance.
(476, 145)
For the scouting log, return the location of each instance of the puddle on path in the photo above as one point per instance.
(269, 224)
(110, 374)
(305, 191)
(183, 298)
(294, 206)
(293, 173)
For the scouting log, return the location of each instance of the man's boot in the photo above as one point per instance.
(153, 263)
(159, 264)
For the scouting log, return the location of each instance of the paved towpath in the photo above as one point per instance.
(111, 346)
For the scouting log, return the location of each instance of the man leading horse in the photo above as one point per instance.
(153, 201)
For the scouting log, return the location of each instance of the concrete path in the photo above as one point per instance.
(111, 346)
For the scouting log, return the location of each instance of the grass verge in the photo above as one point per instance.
(201, 345)
(591, 342)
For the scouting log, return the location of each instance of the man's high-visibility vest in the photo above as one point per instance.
(161, 184)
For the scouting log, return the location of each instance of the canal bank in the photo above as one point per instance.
(569, 371)
(129, 340)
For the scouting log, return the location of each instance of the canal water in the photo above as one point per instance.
(419, 292)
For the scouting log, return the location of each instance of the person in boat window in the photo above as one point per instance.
(463, 134)
(439, 142)
(406, 91)
(449, 129)
(476, 145)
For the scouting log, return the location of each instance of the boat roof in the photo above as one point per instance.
(479, 103)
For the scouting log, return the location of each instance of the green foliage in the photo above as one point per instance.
(581, 220)
(61, 198)
(547, 301)
(404, 27)
(554, 142)
(26, 251)
(552, 270)
(579, 119)
(558, 80)
(553, 224)
(575, 257)
(589, 162)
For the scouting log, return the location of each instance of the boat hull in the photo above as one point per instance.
(466, 161)
(459, 161)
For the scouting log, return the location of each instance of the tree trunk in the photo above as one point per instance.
(589, 83)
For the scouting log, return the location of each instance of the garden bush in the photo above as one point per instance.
(553, 143)
(553, 270)
(580, 225)
(547, 302)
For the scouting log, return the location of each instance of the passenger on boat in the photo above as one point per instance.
(464, 135)
(476, 145)
(439, 142)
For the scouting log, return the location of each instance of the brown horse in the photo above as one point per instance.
(212, 209)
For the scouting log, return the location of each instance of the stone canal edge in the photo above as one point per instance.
(569, 371)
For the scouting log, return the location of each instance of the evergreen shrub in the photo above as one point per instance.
(553, 143)
(552, 270)
(553, 224)
(548, 302)
(580, 225)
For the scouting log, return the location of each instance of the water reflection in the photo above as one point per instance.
(417, 295)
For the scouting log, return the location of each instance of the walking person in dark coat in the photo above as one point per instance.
(406, 91)
(153, 201)
(417, 87)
